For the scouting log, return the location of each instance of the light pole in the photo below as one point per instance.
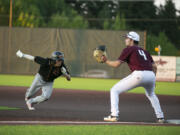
(10, 36)
(10, 14)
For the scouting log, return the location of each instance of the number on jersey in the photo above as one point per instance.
(141, 52)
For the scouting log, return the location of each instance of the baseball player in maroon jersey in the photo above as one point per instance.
(50, 69)
(143, 74)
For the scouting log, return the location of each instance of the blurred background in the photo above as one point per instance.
(76, 25)
(160, 18)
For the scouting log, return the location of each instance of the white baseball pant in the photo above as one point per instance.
(37, 84)
(144, 79)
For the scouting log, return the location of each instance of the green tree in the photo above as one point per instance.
(27, 17)
(49, 8)
(170, 25)
(95, 12)
(4, 12)
(67, 21)
(57, 13)
(167, 47)
(25, 13)
(106, 25)
(139, 15)
(118, 24)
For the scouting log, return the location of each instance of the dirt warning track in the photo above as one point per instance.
(83, 106)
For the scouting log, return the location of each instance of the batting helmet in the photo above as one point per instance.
(57, 55)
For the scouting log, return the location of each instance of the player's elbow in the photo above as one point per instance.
(113, 63)
(116, 64)
(154, 67)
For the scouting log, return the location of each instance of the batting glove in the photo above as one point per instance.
(19, 54)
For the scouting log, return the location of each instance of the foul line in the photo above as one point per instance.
(77, 123)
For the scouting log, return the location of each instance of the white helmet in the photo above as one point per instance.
(133, 35)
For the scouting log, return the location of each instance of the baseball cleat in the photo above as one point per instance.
(161, 120)
(111, 118)
(29, 105)
(26, 99)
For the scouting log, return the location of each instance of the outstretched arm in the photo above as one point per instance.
(110, 63)
(65, 73)
(22, 55)
(114, 64)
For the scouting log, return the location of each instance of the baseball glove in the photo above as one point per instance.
(99, 52)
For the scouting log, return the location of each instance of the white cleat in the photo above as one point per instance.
(26, 99)
(161, 120)
(111, 118)
(29, 105)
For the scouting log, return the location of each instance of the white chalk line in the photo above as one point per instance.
(75, 122)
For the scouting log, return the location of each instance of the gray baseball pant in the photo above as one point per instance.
(36, 85)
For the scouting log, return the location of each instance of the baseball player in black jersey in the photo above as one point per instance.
(50, 69)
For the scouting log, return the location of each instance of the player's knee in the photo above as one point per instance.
(45, 97)
(113, 90)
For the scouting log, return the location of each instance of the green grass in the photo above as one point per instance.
(8, 108)
(89, 130)
(163, 88)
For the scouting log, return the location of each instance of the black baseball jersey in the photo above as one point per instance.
(47, 69)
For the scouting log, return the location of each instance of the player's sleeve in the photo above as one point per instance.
(124, 55)
(41, 60)
(66, 68)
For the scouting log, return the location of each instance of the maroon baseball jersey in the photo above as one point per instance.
(136, 58)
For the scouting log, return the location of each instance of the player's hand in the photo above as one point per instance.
(19, 54)
(103, 58)
(68, 77)
(100, 54)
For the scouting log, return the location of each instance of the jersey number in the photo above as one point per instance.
(141, 52)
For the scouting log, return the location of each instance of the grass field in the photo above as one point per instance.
(163, 88)
(8, 108)
(89, 130)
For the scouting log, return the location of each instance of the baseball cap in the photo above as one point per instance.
(133, 35)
